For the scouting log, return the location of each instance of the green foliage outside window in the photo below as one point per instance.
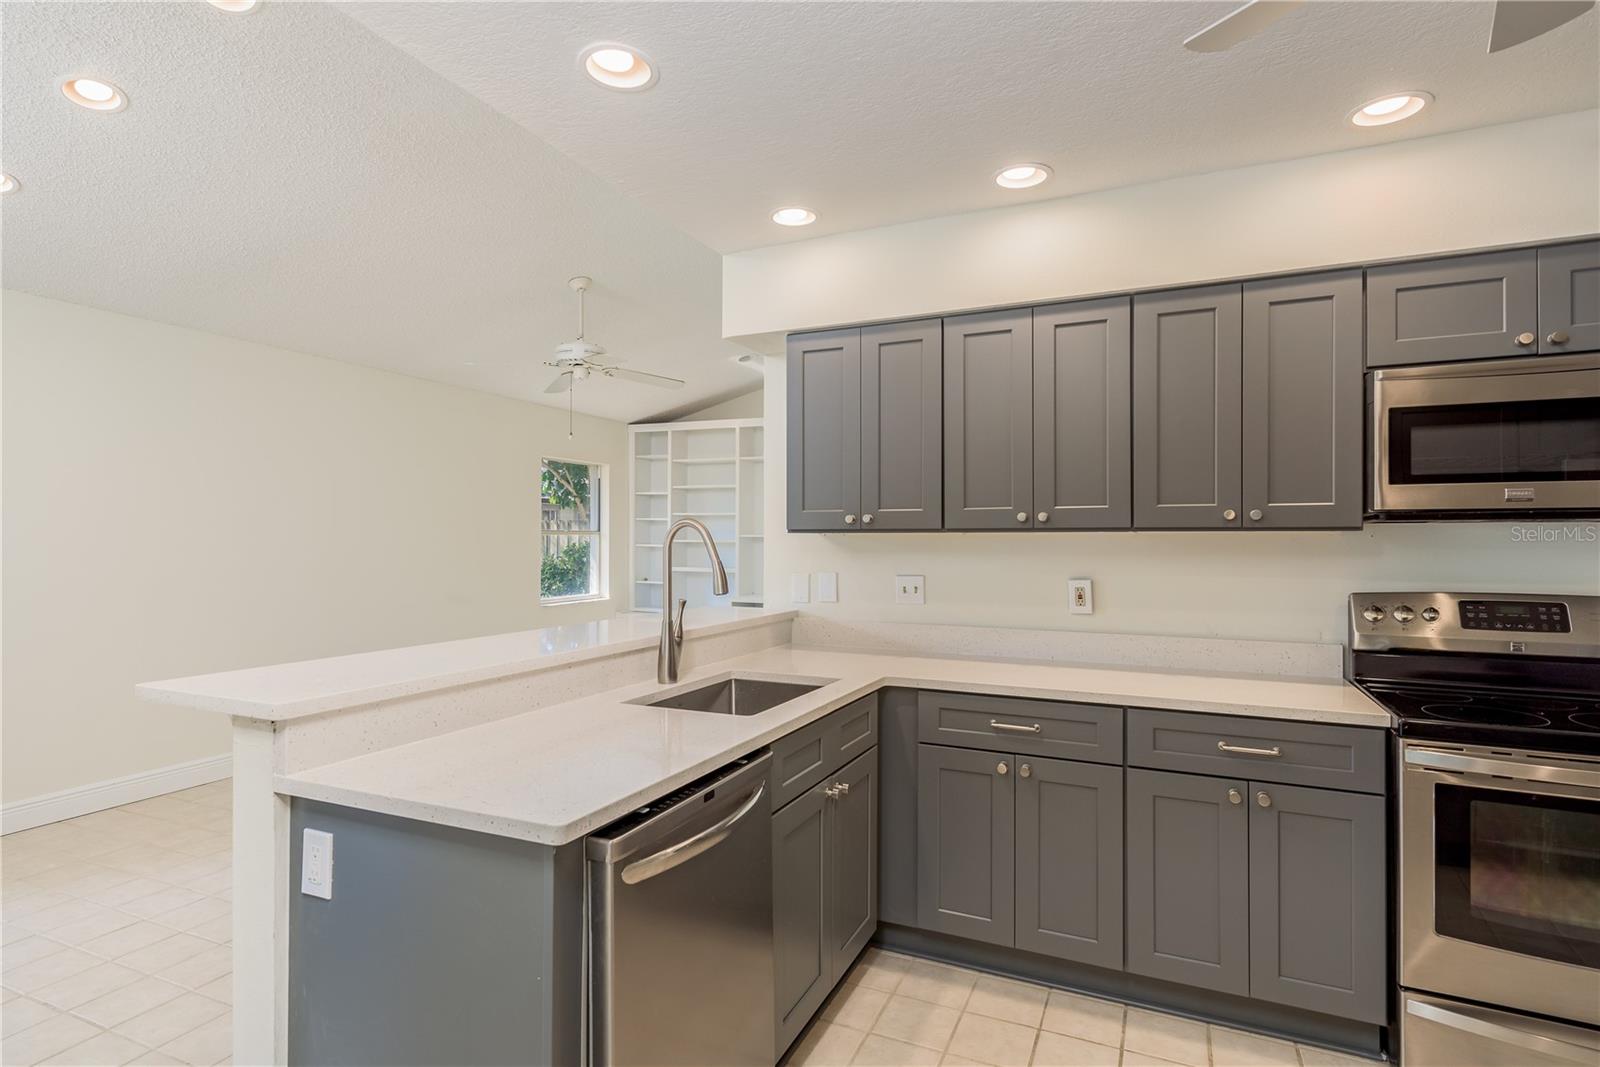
(568, 529)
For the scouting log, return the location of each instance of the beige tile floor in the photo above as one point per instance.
(116, 935)
(899, 1011)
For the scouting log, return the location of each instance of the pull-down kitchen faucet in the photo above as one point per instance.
(672, 621)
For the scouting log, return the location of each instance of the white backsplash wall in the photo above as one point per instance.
(1286, 586)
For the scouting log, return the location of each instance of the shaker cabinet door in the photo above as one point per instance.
(988, 421)
(1069, 860)
(1462, 307)
(801, 961)
(852, 904)
(1188, 880)
(902, 483)
(1186, 409)
(1569, 298)
(1318, 900)
(1303, 402)
(965, 843)
(1082, 410)
(824, 432)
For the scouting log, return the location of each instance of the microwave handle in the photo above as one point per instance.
(1467, 1020)
(1430, 759)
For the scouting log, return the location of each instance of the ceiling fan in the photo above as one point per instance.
(1515, 21)
(579, 360)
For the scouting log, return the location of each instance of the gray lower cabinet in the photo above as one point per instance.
(1303, 402)
(1187, 367)
(1082, 413)
(1460, 307)
(1318, 918)
(824, 430)
(1069, 860)
(988, 421)
(824, 886)
(966, 834)
(1188, 880)
(1569, 298)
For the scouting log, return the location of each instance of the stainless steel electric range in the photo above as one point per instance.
(1497, 700)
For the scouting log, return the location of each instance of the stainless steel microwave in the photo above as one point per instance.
(1486, 438)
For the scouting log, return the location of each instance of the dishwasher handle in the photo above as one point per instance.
(691, 846)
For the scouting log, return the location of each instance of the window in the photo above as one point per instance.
(570, 536)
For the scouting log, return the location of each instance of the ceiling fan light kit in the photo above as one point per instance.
(578, 360)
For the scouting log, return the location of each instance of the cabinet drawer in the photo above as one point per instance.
(1296, 753)
(811, 753)
(1030, 727)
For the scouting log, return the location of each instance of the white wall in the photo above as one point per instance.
(1525, 181)
(745, 406)
(178, 502)
(1288, 586)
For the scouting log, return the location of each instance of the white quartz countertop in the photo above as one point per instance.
(295, 690)
(554, 774)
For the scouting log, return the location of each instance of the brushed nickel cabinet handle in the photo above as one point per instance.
(1245, 750)
(843, 788)
(1014, 727)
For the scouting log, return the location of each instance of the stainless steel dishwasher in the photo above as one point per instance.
(680, 926)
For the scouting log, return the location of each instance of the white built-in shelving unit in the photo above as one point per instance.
(711, 471)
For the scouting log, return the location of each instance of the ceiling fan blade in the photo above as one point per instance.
(562, 383)
(642, 377)
(1240, 25)
(1516, 21)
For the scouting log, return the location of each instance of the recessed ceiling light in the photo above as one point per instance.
(237, 7)
(1391, 108)
(8, 184)
(794, 216)
(94, 94)
(617, 66)
(1022, 175)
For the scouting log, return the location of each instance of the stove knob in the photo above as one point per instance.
(1430, 614)
(1404, 614)
(1373, 613)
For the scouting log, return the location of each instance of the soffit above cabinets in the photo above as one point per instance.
(871, 114)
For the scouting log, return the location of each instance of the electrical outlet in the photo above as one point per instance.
(316, 864)
(1080, 596)
(799, 588)
(908, 589)
(827, 587)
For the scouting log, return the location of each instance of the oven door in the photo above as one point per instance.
(1500, 878)
(1496, 435)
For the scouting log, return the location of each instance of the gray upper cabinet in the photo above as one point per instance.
(1069, 860)
(1082, 410)
(1188, 880)
(1187, 364)
(1303, 402)
(1463, 307)
(1569, 298)
(966, 831)
(1318, 892)
(902, 482)
(824, 432)
(988, 421)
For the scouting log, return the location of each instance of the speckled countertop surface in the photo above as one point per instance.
(554, 774)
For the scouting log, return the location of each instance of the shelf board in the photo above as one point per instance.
(705, 487)
(701, 459)
(645, 544)
(650, 492)
(750, 537)
(697, 570)
(647, 581)
(752, 459)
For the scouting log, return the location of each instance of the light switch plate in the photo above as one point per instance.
(908, 589)
(827, 587)
(316, 864)
(1080, 596)
(799, 588)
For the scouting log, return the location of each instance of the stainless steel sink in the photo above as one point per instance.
(733, 696)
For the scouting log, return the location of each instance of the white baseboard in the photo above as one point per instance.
(97, 796)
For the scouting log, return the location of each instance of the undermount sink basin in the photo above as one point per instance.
(734, 696)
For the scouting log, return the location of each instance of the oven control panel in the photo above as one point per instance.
(1522, 615)
(1510, 624)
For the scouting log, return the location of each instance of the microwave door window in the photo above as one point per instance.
(1528, 441)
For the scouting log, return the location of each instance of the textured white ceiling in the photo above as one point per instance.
(289, 178)
(878, 113)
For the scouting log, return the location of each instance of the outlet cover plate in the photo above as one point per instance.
(316, 864)
(1080, 596)
(908, 589)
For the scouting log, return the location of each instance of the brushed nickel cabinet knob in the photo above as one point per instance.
(1235, 797)
(1255, 514)
(849, 520)
(1043, 516)
(1230, 514)
(1022, 516)
(1558, 337)
(1026, 770)
(1001, 768)
(866, 520)
(1263, 800)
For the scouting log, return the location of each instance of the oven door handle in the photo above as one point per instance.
(1434, 760)
(1464, 1019)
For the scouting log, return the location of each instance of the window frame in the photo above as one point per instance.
(599, 503)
